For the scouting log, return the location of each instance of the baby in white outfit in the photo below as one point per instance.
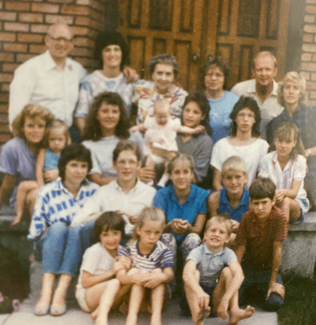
(161, 130)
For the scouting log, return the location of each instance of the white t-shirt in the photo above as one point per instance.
(161, 136)
(96, 260)
(251, 154)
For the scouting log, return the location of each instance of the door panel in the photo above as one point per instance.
(194, 29)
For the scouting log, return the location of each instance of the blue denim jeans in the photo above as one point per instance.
(260, 280)
(61, 249)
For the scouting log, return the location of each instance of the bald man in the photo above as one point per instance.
(263, 88)
(50, 79)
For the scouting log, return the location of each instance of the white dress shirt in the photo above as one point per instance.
(40, 80)
(269, 109)
(111, 197)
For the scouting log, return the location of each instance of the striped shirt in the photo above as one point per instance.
(55, 203)
(159, 258)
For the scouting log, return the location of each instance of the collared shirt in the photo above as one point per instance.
(145, 98)
(293, 170)
(40, 80)
(239, 210)
(195, 204)
(159, 258)
(259, 240)
(209, 264)
(96, 83)
(55, 203)
(111, 197)
(269, 109)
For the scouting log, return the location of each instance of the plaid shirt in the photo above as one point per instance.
(55, 203)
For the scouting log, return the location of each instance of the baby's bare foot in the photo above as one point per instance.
(95, 314)
(239, 314)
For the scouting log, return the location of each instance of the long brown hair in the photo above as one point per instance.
(286, 132)
(92, 130)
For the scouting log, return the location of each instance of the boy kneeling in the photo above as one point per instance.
(207, 282)
(260, 239)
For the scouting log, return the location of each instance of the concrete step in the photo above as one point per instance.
(171, 316)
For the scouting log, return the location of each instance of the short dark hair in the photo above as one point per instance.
(246, 102)
(200, 99)
(163, 59)
(92, 130)
(110, 220)
(74, 151)
(126, 145)
(105, 39)
(217, 62)
(262, 188)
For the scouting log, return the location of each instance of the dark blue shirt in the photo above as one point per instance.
(195, 204)
(241, 208)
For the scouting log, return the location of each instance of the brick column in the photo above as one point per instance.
(308, 56)
(23, 26)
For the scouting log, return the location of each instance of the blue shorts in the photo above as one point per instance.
(184, 306)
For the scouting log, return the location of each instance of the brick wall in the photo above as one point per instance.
(23, 26)
(308, 56)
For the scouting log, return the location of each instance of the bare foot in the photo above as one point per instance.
(95, 314)
(239, 314)
(16, 220)
(222, 309)
(131, 320)
(155, 320)
(101, 321)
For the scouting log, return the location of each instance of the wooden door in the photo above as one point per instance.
(163, 26)
(244, 28)
(194, 30)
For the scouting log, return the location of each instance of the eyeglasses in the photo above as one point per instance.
(60, 39)
(250, 115)
(216, 75)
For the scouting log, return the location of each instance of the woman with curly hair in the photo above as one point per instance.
(18, 155)
(244, 141)
(107, 123)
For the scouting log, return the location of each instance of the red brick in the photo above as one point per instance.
(9, 67)
(51, 19)
(5, 87)
(83, 2)
(1, 4)
(15, 47)
(7, 57)
(5, 128)
(39, 28)
(310, 28)
(309, 47)
(88, 63)
(24, 57)
(30, 38)
(310, 9)
(311, 1)
(8, 15)
(6, 77)
(37, 48)
(32, 18)
(308, 38)
(17, 6)
(310, 85)
(83, 41)
(85, 21)
(43, 7)
(80, 31)
(7, 37)
(61, 1)
(3, 109)
(82, 51)
(309, 18)
(305, 75)
(16, 27)
(75, 10)
(99, 6)
(5, 137)
(312, 94)
(306, 57)
(4, 97)
(314, 76)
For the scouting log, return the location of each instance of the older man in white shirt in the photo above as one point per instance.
(263, 88)
(50, 79)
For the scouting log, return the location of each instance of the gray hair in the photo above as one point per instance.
(261, 54)
(165, 59)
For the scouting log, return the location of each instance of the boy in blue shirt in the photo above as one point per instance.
(233, 199)
(208, 284)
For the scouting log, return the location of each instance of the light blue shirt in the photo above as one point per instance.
(210, 265)
(220, 110)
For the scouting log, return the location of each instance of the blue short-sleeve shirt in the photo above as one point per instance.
(209, 264)
(241, 208)
(195, 204)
